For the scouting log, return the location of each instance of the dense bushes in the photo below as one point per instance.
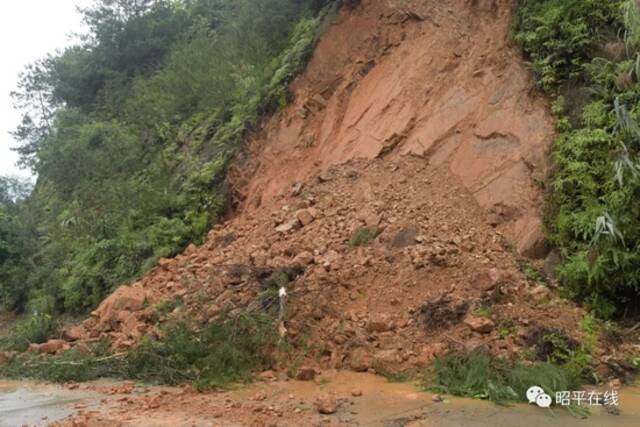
(585, 55)
(561, 35)
(209, 356)
(130, 133)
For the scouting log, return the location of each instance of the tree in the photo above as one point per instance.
(130, 131)
(35, 99)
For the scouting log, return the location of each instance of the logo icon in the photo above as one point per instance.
(536, 395)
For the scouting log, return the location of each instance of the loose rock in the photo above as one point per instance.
(305, 373)
(479, 324)
(326, 405)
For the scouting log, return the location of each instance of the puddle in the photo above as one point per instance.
(385, 404)
(38, 405)
(382, 404)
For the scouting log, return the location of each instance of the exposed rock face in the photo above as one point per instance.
(383, 86)
(532, 242)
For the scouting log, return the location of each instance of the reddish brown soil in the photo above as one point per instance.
(359, 400)
(418, 119)
(431, 79)
(354, 303)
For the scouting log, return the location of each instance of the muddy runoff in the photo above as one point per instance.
(358, 399)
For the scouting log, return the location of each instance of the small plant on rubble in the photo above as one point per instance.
(364, 236)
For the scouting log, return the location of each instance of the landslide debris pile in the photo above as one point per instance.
(434, 277)
(394, 197)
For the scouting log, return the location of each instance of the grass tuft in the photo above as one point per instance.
(364, 236)
(481, 376)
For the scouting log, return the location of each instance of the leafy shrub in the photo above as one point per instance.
(560, 35)
(35, 329)
(593, 212)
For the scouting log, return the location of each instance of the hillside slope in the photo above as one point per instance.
(429, 148)
(395, 201)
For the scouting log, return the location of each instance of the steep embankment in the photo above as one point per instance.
(434, 80)
(389, 192)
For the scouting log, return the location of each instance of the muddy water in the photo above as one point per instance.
(382, 404)
(36, 405)
(386, 404)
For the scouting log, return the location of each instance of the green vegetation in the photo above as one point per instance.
(531, 273)
(586, 55)
(560, 36)
(130, 133)
(481, 376)
(166, 307)
(363, 236)
(557, 347)
(209, 356)
(507, 328)
(556, 363)
(398, 377)
(483, 311)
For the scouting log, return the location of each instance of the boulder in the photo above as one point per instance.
(305, 373)
(75, 333)
(131, 326)
(326, 405)
(305, 216)
(479, 324)
(380, 322)
(125, 298)
(405, 237)
(50, 347)
(540, 293)
(286, 227)
(331, 260)
(267, 376)
(166, 263)
(387, 361)
(360, 360)
(486, 280)
(533, 243)
(303, 258)
(551, 264)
